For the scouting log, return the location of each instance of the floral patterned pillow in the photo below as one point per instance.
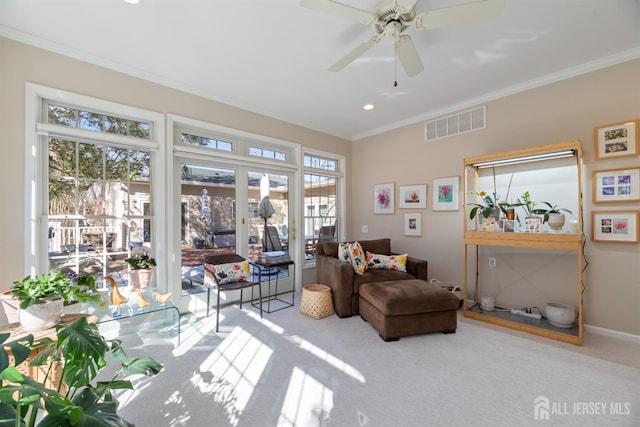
(231, 272)
(343, 252)
(387, 262)
(357, 257)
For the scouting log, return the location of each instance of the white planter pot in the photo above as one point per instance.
(140, 279)
(556, 221)
(42, 315)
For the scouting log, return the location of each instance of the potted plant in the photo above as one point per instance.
(552, 215)
(43, 297)
(79, 351)
(140, 269)
(488, 206)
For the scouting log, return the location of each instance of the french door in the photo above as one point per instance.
(220, 213)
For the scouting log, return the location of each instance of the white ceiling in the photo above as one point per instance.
(271, 57)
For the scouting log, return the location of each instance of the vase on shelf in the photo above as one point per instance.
(556, 221)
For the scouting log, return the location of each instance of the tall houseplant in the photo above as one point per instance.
(140, 269)
(76, 400)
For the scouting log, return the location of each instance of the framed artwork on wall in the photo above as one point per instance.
(412, 224)
(412, 196)
(616, 185)
(615, 226)
(445, 193)
(383, 198)
(617, 140)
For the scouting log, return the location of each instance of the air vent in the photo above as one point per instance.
(466, 121)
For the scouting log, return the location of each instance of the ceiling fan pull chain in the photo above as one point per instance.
(395, 61)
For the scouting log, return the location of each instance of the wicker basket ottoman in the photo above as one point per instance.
(408, 307)
(316, 301)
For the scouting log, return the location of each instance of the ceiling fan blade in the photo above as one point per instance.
(408, 56)
(354, 54)
(460, 14)
(338, 9)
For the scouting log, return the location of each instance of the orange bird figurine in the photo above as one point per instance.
(116, 297)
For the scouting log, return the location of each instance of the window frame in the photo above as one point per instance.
(37, 133)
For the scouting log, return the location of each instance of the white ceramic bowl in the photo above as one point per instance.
(560, 315)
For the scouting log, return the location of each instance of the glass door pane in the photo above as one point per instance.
(207, 219)
(268, 202)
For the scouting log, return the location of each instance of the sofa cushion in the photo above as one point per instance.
(378, 276)
(343, 252)
(357, 257)
(377, 246)
(387, 262)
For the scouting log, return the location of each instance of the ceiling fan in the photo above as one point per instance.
(391, 20)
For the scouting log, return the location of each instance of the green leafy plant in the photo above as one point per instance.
(71, 287)
(488, 203)
(550, 209)
(526, 203)
(80, 351)
(139, 261)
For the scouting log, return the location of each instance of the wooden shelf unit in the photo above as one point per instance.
(572, 242)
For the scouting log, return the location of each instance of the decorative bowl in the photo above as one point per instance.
(560, 315)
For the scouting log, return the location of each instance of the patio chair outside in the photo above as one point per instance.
(211, 282)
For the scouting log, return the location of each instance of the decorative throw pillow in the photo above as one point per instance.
(387, 262)
(343, 252)
(357, 257)
(231, 272)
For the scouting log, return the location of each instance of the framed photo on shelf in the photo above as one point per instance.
(445, 193)
(412, 224)
(617, 140)
(615, 226)
(616, 185)
(412, 196)
(383, 198)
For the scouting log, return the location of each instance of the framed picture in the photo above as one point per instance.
(445, 193)
(412, 196)
(616, 185)
(412, 224)
(615, 226)
(617, 140)
(383, 198)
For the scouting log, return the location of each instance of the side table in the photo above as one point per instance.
(258, 267)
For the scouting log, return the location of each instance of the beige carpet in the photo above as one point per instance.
(290, 370)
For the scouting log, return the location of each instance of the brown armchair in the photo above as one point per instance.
(211, 282)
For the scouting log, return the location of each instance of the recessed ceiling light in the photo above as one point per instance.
(368, 107)
(132, 1)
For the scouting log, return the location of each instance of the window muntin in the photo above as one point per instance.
(321, 163)
(88, 120)
(204, 141)
(267, 153)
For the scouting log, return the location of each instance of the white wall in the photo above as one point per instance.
(562, 111)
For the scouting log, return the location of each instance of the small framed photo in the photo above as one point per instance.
(509, 226)
(617, 140)
(489, 224)
(616, 185)
(615, 226)
(412, 196)
(532, 224)
(412, 224)
(445, 193)
(383, 198)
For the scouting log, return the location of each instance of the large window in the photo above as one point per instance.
(93, 167)
(322, 181)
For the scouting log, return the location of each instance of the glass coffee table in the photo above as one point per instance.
(160, 319)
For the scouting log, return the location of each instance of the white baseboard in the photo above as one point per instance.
(612, 333)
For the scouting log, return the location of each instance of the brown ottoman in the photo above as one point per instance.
(408, 307)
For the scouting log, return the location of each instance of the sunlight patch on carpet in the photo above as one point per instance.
(236, 366)
(307, 402)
